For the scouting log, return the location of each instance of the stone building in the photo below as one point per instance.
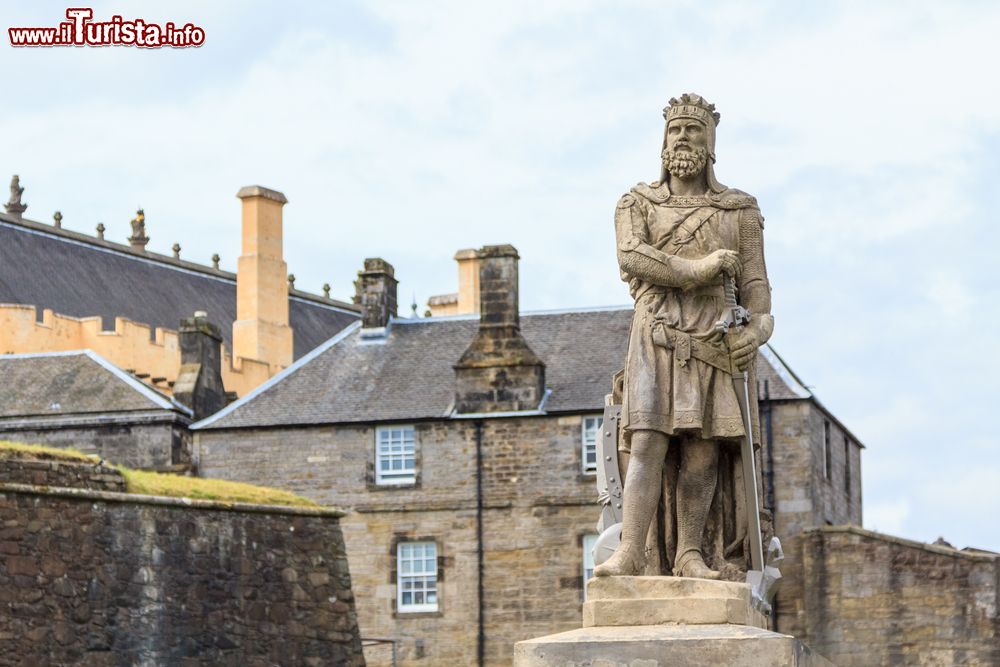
(79, 399)
(63, 290)
(465, 446)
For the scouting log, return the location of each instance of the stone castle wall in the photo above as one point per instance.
(96, 578)
(537, 507)
(62, 474)
(873, 600)
(131, 345)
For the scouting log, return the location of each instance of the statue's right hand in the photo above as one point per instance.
(708, 269)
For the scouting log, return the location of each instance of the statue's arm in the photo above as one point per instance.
(638, 259)
(755, 290)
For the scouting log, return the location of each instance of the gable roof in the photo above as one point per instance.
(775, 380)
(82, 276)
(409, 374)
(76, 382)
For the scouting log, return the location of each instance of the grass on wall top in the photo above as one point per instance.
(160, 484)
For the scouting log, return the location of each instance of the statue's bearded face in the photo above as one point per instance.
(686, 153)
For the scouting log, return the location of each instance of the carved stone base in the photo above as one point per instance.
(620, 601)
(665, 622)
(666, 646)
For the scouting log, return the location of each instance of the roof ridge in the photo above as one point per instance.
(150, 393)
(465, 317)
(150, 257)
(259, 389)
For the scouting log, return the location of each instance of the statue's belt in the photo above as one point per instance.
(686, 346)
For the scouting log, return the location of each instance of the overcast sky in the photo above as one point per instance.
(870, 134)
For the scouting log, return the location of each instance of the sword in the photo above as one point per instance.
(736, 315)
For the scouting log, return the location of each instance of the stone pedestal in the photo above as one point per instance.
(614, 601)
(666, 646)
(667, 622)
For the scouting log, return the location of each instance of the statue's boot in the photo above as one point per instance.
(691, 564)
(624, 562)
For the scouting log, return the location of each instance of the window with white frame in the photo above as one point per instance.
(589, 542)
(395, 455)
(591, 431)
(416, 576)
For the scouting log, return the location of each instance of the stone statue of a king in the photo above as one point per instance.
(678, 240)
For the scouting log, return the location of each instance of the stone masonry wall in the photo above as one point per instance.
(159, 443)
(62, 474)
(537, 507)
(805, 497)
(97, 578)
(875, 600)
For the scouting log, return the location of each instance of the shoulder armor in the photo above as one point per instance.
(733, 199)
(655, 192)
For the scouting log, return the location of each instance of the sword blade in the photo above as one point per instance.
(742, 386)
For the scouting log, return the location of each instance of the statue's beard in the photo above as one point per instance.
(685, 164)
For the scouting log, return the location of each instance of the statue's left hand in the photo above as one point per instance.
(743, 345)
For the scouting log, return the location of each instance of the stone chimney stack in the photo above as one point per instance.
(468, 281)
(375, 291)
(199, 383)
(261, 328)
(498, 372)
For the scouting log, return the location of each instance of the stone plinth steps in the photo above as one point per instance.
(667, 621)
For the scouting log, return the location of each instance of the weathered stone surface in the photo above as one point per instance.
(538, 507)
(111, 580)
(666, 646)
(623, 601)
(873, 600)
(60, 473)
(199, 383)
(375, 292)
(691, 251)
(804, 492)
(498, 372)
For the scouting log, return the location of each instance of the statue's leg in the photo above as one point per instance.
(695, 487)
(641, 496)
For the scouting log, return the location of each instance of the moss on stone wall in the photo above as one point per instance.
(161, 484)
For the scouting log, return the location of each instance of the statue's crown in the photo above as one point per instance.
(691, 105)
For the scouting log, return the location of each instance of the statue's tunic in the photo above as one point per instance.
(677, 372)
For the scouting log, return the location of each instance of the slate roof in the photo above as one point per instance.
(82, 276)
(409, 375)
(79, 382)
(775, 380)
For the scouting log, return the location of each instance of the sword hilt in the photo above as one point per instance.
(735, 314)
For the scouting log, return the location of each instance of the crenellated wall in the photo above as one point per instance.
(131, 346)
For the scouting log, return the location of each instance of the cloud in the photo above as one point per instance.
(404, 131)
